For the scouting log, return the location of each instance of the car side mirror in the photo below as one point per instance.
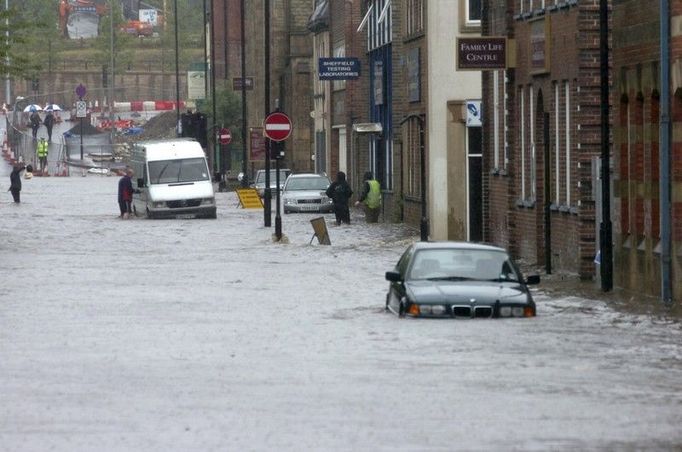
(533, 279)
(140, 182)
(393, 276)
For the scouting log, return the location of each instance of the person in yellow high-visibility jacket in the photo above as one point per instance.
(42, 154)
(370, 197)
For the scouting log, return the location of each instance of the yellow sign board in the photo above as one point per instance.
(249, 199)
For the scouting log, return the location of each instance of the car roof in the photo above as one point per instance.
(296, 176)
(456, 245)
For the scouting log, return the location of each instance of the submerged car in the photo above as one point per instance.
(259, 181)
(306, 193)
(459, 280)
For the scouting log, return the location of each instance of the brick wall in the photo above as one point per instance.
(573, 59)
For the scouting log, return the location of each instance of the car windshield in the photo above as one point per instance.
(180, 170)
(462, 264)
(260, 177)
(307, 183)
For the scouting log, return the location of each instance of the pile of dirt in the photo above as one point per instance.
(161, 126)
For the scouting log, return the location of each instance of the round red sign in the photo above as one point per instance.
(224, 136)
(277, 126)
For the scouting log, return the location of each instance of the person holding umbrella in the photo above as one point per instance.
(49, 123)
(35, 121)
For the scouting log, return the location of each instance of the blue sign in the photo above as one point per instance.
(339, 68)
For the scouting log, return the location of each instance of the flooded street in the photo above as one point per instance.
(205, 335)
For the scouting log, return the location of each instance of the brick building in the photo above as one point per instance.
(637, 146)
(552, 91)
(290, 67)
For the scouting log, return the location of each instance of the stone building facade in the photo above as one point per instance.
(290, 68)
(544, 113)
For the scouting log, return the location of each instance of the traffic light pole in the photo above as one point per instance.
(267, 196)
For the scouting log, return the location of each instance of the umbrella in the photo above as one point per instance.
(32, 107)
(53, 107)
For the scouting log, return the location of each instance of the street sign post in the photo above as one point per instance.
(224, 136)
(81, 110)
(277, 126)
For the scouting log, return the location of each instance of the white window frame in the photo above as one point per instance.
(505, 113)
(567, 125)
(531, 99)
(523, 142)
(557, 143)
(365, 19)
(496, 119)
(467, 14)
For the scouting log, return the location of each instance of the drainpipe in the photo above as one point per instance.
(605, 229)
(664, 156)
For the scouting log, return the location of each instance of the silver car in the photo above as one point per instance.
(259, 181)
(306, 193)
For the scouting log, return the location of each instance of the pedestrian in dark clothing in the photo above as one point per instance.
(49, 123)
(15, 182)
(340, 192)
(125, 193)
(35, 121)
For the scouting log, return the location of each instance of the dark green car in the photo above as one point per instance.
(459, 280)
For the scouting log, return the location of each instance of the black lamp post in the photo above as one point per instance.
(177, 70)
(245, 176)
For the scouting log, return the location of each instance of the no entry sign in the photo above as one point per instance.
(225, 136)
(277, 126)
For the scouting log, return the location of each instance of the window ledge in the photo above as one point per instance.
(525, 203)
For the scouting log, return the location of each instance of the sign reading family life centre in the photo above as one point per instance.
(482, 53)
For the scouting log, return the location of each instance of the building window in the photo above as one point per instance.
(522, 140)
(379, 24)
(531, 122)
(413, 139)
(473, 13)
(567, 140)
(557, 144)
(339, 52)
(414, 20)
(496, 119)
(505, 114)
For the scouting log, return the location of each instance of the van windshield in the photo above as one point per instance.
(180, 170)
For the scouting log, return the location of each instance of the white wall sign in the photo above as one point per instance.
(474, 113)
(150, 16)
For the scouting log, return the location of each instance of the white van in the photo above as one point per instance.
(173, 180)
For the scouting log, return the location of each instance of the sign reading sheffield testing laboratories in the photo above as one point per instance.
(338, 68)
(481, 53)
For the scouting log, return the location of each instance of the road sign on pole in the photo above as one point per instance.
(277, 126)
(224, 136)
(80, 91)
(81, 109)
